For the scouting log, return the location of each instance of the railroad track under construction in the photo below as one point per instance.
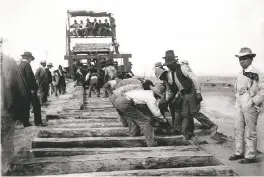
(92, 142)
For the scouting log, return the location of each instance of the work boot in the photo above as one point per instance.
(27, 124)
(41, 125)
(236, 157)
(247, 161)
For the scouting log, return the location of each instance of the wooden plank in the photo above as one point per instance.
(99, 109)
(113, 162)
(105, 142)
(87, 125)
(52, 152)
(84, 132)
(79, 116)
(220, 170)
(99, 106)
(86, 113)
(81, 121)
(80, 57)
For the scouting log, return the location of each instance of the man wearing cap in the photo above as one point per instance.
(32, 88)
(43, 81)
(183, 83)
(249, 92)
(138, 120)
(47, 69)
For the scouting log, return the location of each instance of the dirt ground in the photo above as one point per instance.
(218, 104)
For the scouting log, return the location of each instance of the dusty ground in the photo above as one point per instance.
(218, 104)
(24, 136)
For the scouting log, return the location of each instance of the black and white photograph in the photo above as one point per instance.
(132, 88)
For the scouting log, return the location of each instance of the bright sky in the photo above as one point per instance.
(206, 33)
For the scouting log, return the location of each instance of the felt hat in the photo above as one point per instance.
(49, 64)
(245, 51)
(29, 54)
(158, 64)
(170, 57)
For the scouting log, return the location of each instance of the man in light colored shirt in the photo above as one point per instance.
(138, 120)
(76, 27)
(249, 92)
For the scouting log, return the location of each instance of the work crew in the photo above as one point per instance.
(249, 93)
(138, 120)
(42, 79)
(14, 102)
(183, 87)
(32, 88)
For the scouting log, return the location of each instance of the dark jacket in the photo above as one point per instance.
(49, 75)
(15, 98)
(28, 76)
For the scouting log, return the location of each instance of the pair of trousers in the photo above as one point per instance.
(175, 109)
(137, 121)
(246, 118)
(94, 84)
(7, 141)
(36, 108)
(121, 116)
(44, 95)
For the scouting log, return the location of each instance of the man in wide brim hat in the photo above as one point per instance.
(249, 97)
(185, 94)
(245, 51)
(28, 55)
(170, 57)
(50, 64)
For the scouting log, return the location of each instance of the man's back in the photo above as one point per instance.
(28, 75)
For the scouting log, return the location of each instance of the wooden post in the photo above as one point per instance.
(126, 69)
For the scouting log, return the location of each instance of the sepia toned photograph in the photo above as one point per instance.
(132, 88)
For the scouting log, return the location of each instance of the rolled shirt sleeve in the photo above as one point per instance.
(186, 70)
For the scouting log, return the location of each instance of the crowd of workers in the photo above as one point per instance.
(91, 28)
(140, 103)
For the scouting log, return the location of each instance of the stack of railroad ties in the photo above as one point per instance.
(93, 142)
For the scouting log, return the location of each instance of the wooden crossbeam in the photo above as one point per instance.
(105, 142)
(52, 152)
(81, 57)
(114, 162)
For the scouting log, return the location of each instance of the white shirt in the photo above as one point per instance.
(145, 97)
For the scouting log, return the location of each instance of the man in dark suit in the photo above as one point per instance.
(14, 102)
(43, 81)
(32, 88)
(47, 69)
